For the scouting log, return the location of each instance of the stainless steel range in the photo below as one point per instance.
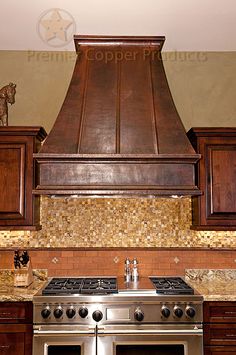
(106, 316)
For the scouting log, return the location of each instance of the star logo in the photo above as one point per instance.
(56, 27)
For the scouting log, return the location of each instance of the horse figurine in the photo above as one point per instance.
(7, 96)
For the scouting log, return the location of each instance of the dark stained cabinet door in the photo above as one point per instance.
(12, 344)
(219, 328)
(18, 207)
(219, 350)
(12, 177)
(16, 329)
(216, 177)
(222, 162)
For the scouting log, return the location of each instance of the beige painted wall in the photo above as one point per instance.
(203, 85)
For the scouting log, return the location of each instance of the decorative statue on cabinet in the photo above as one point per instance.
(7, 96)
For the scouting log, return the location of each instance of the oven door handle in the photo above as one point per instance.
(198, 331)
(64, 332)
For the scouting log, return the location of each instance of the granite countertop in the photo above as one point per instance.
(9, 293)
(214, 285)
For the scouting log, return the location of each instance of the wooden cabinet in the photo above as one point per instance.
(216, 177)
(19, 209)
(219, 351)
(219, 328)
(16, 329)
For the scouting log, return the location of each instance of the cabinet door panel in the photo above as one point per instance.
(15, 312)
(12, 344)
(220, 312)
(222, 189)
(19, 209)
(220, 334)
(220, 350)
(12, 167)
(215, 209)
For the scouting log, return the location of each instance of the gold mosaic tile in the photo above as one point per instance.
(107, 222)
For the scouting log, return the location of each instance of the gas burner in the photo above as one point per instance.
(99, 285)
(69, 286)
(171, 286)
(63, 286)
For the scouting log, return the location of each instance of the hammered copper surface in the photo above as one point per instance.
(118, 131)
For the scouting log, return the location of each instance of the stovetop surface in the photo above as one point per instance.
(72, 300)
(171, 286)
(90, 285)
(110, 285)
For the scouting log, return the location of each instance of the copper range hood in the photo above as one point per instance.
(118, 131)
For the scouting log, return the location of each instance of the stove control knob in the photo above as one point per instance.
(165, 311)
(58, 312)
(178, 312)
(97, 315)
(70, 312)
(83, 312)
(138, 314)
(45, 313)
(190, 311)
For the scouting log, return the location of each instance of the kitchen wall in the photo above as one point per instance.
(94, 236)
(117, 223)
(203, 86)
(111, 262)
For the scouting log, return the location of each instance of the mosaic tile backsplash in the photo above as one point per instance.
(107, 222)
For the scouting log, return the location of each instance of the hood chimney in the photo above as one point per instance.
(118, 132)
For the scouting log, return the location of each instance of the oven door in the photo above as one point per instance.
(64, 340)
(151, 340)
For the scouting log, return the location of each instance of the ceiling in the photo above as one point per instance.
(189, 25)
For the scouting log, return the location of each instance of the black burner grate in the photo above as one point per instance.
(93, 285)
(99, 286)
(171, 286)
(63, 286)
